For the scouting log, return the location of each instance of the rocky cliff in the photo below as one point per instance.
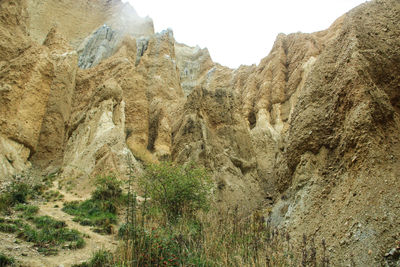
(310, 134)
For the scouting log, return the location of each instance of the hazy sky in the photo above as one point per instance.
(237, 31)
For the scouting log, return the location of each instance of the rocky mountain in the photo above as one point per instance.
(310, 134)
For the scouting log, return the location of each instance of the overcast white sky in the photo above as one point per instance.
(240, 31)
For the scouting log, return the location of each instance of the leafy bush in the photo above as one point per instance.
(17, 192)
(177, 190)
(107, 188)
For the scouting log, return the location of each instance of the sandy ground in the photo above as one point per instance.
(27, 255)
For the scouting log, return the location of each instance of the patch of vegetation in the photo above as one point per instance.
(50, 233)
(100, 211)
(100, 258)
(100, 214)
(177, 190)
(53, 195)
(45, 183)
(47, 233)
(5, 260)
(165, 230)
(24, 187)
(192, 234)
(9, 226)
(49, 180)
(108, 188)
(164, 246)
(27, 210)
(48, 222)
(16, 192)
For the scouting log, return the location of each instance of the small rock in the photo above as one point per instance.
(394, 252)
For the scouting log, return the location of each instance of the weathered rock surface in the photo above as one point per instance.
(101, 45)
(52, 138)
(310, 134)
(342, 149)
(25, 81)
(76, 20)
(193, 63)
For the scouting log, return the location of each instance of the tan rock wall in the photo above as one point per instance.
(311, 133)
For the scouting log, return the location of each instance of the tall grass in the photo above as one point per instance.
(205, 237)
(214, 238)
(155, 235)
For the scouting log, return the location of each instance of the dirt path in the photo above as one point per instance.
(28, 256)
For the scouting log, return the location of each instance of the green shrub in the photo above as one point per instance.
(101, 258)
(6, 261)
(107, 188)
(17, 192)
(20, 192)
(177, 190)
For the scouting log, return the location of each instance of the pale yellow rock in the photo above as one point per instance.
(50, 150)
(98, 142)
(13, 158)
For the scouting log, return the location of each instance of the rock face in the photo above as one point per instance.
(101, 45)
(310, 134)
(76, 20)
